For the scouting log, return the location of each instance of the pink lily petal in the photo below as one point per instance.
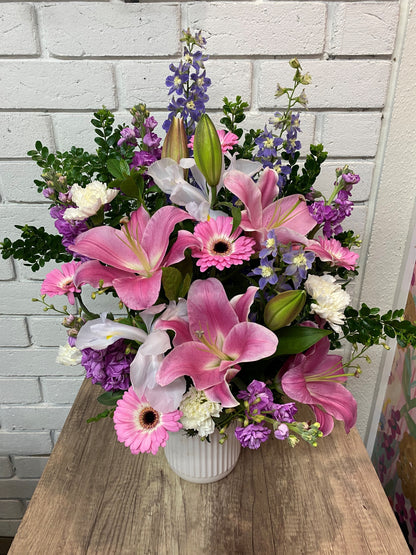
(209, 311)
(325, 420)
(242, 303)
(180, 327)
(184, 241)
(337, 401)
(138, 222)
(191, 359)
(248, 341)
(268, 187)
(246, 190)
(92, 272)
(138, 292)
(155, 239)
(291, 212)
(221, 394)
(285, 236)
(109, 246)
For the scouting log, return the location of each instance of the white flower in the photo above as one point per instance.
(89, 200)
(69, 356)
(331, 299)
(198, 411)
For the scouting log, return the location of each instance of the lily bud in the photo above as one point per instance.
(207, 150)
(283, 309)
(175, 145)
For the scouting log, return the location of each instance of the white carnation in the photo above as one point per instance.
(331, 299)
(89, 200)
(198, 412)
(68, 356)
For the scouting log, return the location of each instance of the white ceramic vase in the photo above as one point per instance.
(199, 461)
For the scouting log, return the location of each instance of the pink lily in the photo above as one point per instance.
(263, 213)
(135, 255)
(315, 379)
(221, 338)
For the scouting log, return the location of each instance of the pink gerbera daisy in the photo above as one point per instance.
(61, 282)
(140, 426)
(331, 250)
(219, 247)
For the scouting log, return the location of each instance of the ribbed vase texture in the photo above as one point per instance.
(202, 461)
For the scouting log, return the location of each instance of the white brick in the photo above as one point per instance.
(8, 528)
(6, 268)
(360, 191)
(30, 467)
(33, 418)
(17, 30)
(21, 214)
(335, 83)
(55, 436)
(145, 82)
(16, 488)
(20, 131)
(13, 333)
(19, 390)
(47, 331)
(357, 220)
(17, 298)
(35, 362)
(11, 508)
(250, 28)
(17, 182)
(362, 28)
(60, 390)
(51, 84)
(82, 30)
(25, 272)
(6, 469)
(353, 134)
(25, 443)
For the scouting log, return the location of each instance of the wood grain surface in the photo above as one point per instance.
(95, 497)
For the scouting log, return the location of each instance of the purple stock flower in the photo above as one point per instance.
(109, 367)
(150, 123)
(351, 178)
(128, 137)
(281, 432)
(253, 435)
(151, 140)
(143, 158)
(285, 412)
(68, 229)
(258, 395)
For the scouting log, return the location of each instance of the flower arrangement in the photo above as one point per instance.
(229, 267)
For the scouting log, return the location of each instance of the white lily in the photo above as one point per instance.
(100, 333)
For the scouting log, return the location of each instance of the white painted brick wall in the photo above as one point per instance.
(61, 60)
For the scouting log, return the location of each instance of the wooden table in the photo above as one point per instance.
(95, 497)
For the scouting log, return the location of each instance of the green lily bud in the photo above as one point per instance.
(207, 150)
(283, 308)
(175, 145)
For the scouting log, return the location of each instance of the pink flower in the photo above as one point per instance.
(331, 250)
(218, 246)
(263, 213)
(315, 379)
(141, 427)
(221, 339)
(227, 140)
(135, 254)
(61, 282)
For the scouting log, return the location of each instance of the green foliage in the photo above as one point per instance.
(110, 398)
(104, 414)
(297, 339)
(367, 327)
(36, 247)
(233, 115)
(302, 184)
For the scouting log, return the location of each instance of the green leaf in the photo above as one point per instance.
(124, 168)
(114, 167)
(236, 214)
(110, 398)
(104, 414)
(172, 281)
(296, 339)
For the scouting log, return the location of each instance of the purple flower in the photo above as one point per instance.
(68, 229)
(143, 158)
(48, 192)
(270, 245)
(267, 144)
(150, 123)
(292, 144)
(176, 81)
(151, 140)
(299, 262)
(285, 412)
(253, 435)
(281, 432)
(267, 273)
(128, 136)
(351, 178)
(109, 367)
(258, 395)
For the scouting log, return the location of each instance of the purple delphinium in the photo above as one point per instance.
(190, 83)
(266, 271)
(269, 245)
(109, 367)
(268, 145)
(68, 229)
(253, 435)
(299, 262)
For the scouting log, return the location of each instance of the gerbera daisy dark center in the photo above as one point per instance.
(220, 247)
(148, 418)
